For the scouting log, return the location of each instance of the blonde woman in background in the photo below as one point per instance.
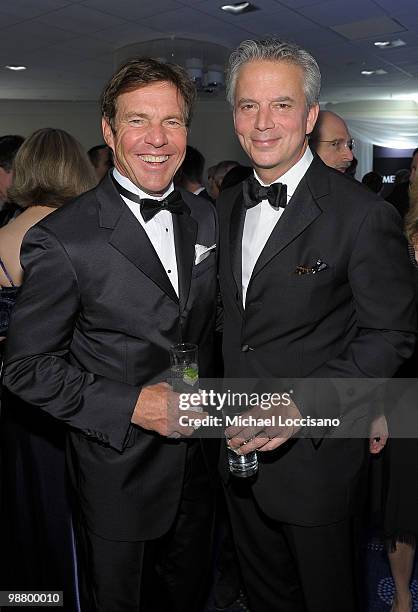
(400, 461)
(50, 169)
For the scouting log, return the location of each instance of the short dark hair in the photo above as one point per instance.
(93, 153)
(373, 180)
(193, 164)
(9, 146)
(142, 71)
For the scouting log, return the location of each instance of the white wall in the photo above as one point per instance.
(212, 130)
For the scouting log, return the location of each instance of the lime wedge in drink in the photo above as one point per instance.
(190, 376)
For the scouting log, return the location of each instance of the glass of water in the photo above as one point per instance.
(242, 466)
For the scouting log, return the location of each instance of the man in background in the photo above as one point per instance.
(102, 160)
(331, 140)
(216, 175)
(190, 174)
(9, 146)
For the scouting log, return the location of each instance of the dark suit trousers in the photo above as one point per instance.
(170, 573)
(290, 568)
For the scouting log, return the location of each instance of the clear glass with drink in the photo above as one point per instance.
(242, 466)
(184, 368)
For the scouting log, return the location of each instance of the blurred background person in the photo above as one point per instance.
(190, 174)
(216, 175)
(373, 181)
(9, 146)
(102, 159)
(399, 507)
(50, 169)
(235, 175)
(399, 196)
(331, 140)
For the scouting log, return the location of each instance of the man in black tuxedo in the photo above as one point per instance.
(315, 283)
(112, 280)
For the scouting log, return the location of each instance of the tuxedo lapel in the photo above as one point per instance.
(236, 230)
(300, 212)
(185, 232)
(129, 237)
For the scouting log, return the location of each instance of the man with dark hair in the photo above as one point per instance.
(101, 158)
(9, 146)
(190, 173)
(315, 283)
(136, 273)
(216, 175)
(373, 181)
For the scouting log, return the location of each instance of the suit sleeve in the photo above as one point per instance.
(380, 276)
(37, 366)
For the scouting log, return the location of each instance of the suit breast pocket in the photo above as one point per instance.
(311, 295)
(207, 264)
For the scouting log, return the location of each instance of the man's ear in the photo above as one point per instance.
(313, 113)
(107, 133)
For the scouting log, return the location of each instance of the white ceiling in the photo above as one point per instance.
(69, 47)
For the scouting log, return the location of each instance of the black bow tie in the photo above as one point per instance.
(149, 207)
(254, 193)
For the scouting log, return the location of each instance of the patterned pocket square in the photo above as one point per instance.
(319, 266)
(201, 252)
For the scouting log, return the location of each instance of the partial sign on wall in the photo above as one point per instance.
(388, 162)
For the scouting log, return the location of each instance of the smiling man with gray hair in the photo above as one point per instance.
(315, 283)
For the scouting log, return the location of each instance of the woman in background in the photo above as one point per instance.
(50, 169)
(400, 461)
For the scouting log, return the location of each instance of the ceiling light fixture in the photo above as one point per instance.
(389, 44)
(16, 68)
(204, 61)
(238, 8)
(378, 72)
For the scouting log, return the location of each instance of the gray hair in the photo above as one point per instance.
(273, 49)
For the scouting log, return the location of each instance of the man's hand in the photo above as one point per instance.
(378, 434)
(264, 437)
(157, 409)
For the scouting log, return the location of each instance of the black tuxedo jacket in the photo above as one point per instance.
(354, 319)
(94, 322)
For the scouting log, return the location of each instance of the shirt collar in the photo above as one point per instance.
(128, 184)
(294, 175)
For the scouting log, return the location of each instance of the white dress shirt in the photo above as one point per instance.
(260, 220)
(159, 229)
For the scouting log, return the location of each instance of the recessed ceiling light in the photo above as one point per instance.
(239, 7)
(389, 44)
(379, 71)
(16, 68)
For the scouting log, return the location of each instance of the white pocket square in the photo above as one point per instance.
(201, 252)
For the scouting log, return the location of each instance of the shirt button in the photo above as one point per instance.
(166, 229)
(169, 271)
(245, 348)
